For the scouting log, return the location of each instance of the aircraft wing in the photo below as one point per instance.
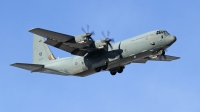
(168, 58)
(62, 41)
(51, 34)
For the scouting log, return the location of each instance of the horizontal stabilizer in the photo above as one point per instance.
(37, 68)
(166, 58)
(30, 67)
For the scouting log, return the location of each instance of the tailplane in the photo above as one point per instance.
(41, 52)
(30, 67)
(41, 56)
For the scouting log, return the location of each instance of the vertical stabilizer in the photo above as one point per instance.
(41, 52)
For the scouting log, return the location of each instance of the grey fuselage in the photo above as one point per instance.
(122, 54)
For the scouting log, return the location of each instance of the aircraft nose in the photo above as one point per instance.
(171, 39)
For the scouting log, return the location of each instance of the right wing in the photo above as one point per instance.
(167, 58)
(62, 41)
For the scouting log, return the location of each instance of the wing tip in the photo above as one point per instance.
(33, 29)
(13, 64)
(178, 58)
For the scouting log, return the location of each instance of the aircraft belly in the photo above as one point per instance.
(76, 69)
(59, 66)
(116, 63)
(128, 60)
(77, 65)
(85, 73)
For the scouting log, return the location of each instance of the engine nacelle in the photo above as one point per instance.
(100, 44)
(81, 38)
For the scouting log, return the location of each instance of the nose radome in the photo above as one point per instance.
(172, 39)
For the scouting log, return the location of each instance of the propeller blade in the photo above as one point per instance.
(91, 38)
(83, 30)
(112, 40)
(108, 34)
(107, 40)
(88, 28)
(110, 45)
(103, 34)
(92, 33)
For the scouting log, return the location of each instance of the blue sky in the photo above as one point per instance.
(151, 87)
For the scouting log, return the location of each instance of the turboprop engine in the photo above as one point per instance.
(101, 44)
(84, 38)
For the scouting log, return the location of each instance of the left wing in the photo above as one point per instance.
(62, 41)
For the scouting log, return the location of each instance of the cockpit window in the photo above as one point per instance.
(162, 32)
(166, 33)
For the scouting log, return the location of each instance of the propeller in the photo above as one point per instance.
(107, 40)
(162, 55)
(88, 34)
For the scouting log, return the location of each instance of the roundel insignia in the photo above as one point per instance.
(40, 53)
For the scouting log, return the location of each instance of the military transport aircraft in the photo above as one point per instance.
(95, 56)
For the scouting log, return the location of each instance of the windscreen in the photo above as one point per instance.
(166, 33)
(162, 32)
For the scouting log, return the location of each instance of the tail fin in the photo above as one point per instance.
(41, 52)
